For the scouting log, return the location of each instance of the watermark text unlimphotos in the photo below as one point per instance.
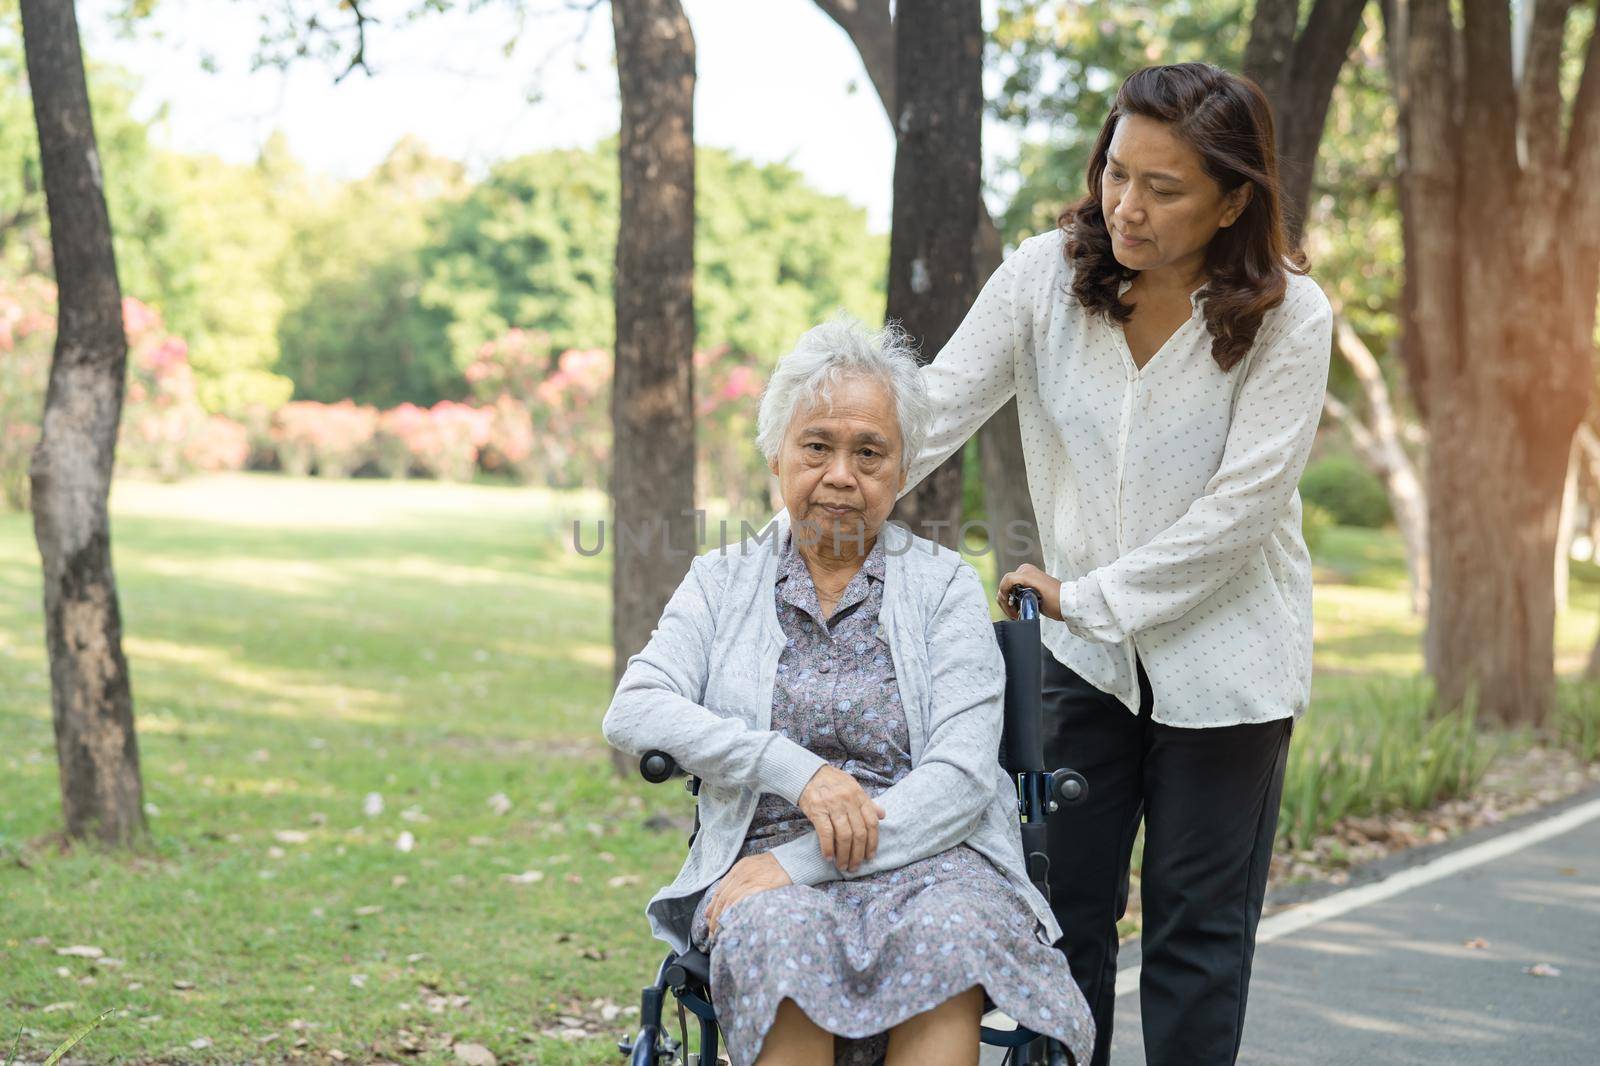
(658, 537)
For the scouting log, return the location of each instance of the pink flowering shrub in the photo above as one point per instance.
(510, 448)
(163, 432)
(335, 438)
(217, 444)
(727, 387)
(448, 445)
(27, 331)
(566, 441)
(400, 435)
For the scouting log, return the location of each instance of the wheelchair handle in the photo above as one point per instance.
(1027, 604)
(657, 766)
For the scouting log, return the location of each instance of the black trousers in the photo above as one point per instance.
(1209, 802)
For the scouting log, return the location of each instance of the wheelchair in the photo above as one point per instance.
(1039, 792)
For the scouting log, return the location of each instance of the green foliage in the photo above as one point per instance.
(357, 323)
(407, 282)
(196, 239)
(1577, 720)
(1315, 521)
(1061, 65)
(1347, 490)
(1383, 753)
(151, 255)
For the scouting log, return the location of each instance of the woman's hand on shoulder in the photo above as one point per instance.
(1030, 576)
(844, 816)
(749, 876)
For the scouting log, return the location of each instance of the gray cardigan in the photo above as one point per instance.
(701, 690)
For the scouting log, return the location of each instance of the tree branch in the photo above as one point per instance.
(1491, 105)
(1539, 94)
(359, 59)
(1308, 80)
(1271, 45)
(1582, 216)
(870, 29)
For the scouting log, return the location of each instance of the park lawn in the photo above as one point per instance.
(296, 645)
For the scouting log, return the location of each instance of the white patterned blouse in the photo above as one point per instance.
(1166, 496)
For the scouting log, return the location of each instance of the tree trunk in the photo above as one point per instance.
(652, 413)
(1503, 331)
(1005, 488)
(97, 749)
(938, 148)
(1299, 74)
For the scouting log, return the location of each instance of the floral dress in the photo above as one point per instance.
(861, 956)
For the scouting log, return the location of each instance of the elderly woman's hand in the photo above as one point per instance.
(1030, 576)
(750, 875)
(845, 817)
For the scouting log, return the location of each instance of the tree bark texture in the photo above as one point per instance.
(97, 749)
(1298, 73)
(653, 534)
(1503, 247)
(932, 264)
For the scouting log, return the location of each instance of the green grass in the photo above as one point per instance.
(295, 646)
(298, 644)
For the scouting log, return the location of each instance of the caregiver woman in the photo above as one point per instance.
(1169, 357)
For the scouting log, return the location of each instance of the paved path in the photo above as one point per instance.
(1384, 973)
(1395, 982)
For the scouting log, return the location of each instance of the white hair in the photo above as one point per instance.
(840, 349)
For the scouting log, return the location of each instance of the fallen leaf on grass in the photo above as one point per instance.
(623, 879)
(372, 806)
(474, 1055)
(1477, 943)
(358, 980)
(64, 1005)
(405, 841)
(291, 836)
(183, 986)
(1541, 969)
(200, 1043)
(593, 954)
(371, 908)
(500, 803)
(527, 877)
(82, 951)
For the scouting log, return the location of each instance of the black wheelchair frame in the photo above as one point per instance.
(1039, 792)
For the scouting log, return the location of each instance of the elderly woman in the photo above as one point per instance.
(835, 684)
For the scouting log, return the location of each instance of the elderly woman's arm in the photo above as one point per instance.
(657, 702)
(937, 804)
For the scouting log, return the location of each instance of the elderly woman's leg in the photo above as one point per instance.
(947, 1035)
(795, 1040)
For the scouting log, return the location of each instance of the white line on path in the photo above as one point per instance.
(1306, 915)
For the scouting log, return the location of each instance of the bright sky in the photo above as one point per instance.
(777, 81)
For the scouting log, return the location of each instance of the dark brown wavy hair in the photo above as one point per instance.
(1227, 119)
